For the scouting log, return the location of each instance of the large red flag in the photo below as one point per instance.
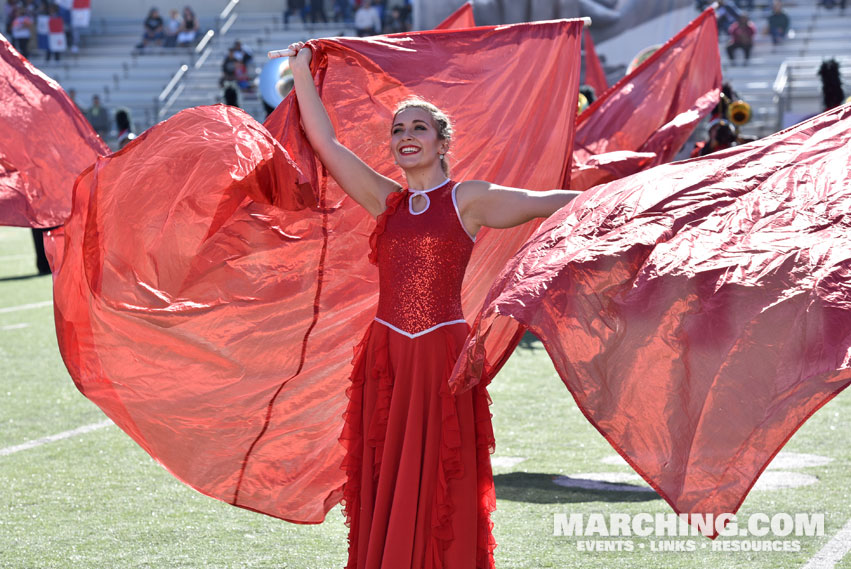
(459, 19)
(646, 117)
(698, 312)
(594, 74)
(217, 330)
(46, 143)
(640, 122)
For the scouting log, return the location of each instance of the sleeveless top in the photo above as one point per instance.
(421, 258)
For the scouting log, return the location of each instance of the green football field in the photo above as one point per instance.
(78, 493)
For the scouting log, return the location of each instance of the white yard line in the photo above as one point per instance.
(15, 326)
(16, 257)
(26, 306)
(833, 552)
(53, 438)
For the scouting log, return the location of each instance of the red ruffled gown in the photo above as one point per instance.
(419, 488)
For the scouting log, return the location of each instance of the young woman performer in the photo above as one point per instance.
(419, 487)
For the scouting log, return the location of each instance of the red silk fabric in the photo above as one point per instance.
(594, 74)
(459, 19)
(214, 281)
(642, 121)
(46, 143)
(646, 117)
(698, 312)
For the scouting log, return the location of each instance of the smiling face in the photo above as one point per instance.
(414, 139)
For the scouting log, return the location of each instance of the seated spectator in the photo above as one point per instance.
(9, 15)
(317, 11)
(741, 37)
(154, 31)
(172, 28)
(832, 3)
(228, 68)
(778, 23)
(294, 7)
(242, 53)
(243, 77)
(367, 20)
(22, 30)
(98, 117)
(189, 32)
(395, 22)
(727, 14)
(343, 11)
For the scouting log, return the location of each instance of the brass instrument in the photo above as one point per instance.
(739, 113)
(583, 103)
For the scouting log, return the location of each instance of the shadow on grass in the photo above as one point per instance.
(24, 277)
(530, 342)
(539, 488)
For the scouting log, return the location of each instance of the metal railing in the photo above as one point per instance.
(177, 84)
(798, 77)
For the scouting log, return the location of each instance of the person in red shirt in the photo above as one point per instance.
(741, 33)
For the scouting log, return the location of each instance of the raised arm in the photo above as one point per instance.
(366, 186)
(482, 204)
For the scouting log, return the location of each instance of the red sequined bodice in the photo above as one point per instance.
(421, 255)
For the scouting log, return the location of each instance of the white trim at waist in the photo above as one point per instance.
(418, 334)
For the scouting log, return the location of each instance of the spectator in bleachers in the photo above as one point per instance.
(395, 22)
(741, 33)
(172, 28)
(343, 11)
(153, 29)
(189, 31)
(832, 3)
(124, 127)
(228, 68)
(317, 11)
(778, 23)
(98, 117)
(72, 94)
(293, 7)
(367, 20)
(9, 15)
(727, 14)
(242, 53)
(22, 30)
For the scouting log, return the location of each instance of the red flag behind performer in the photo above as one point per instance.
(640, 122)
(46, 143)
(594, 74)
(217, 330)
(698, 312)
(645, 118)
(459, 19)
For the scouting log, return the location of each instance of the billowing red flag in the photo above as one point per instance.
(698, 312)
(46, 143)
(216, 329)
(646, 117)
(459, 19)
(640, 122)
(594, 74)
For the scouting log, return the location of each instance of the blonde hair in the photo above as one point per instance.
(442, 122)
